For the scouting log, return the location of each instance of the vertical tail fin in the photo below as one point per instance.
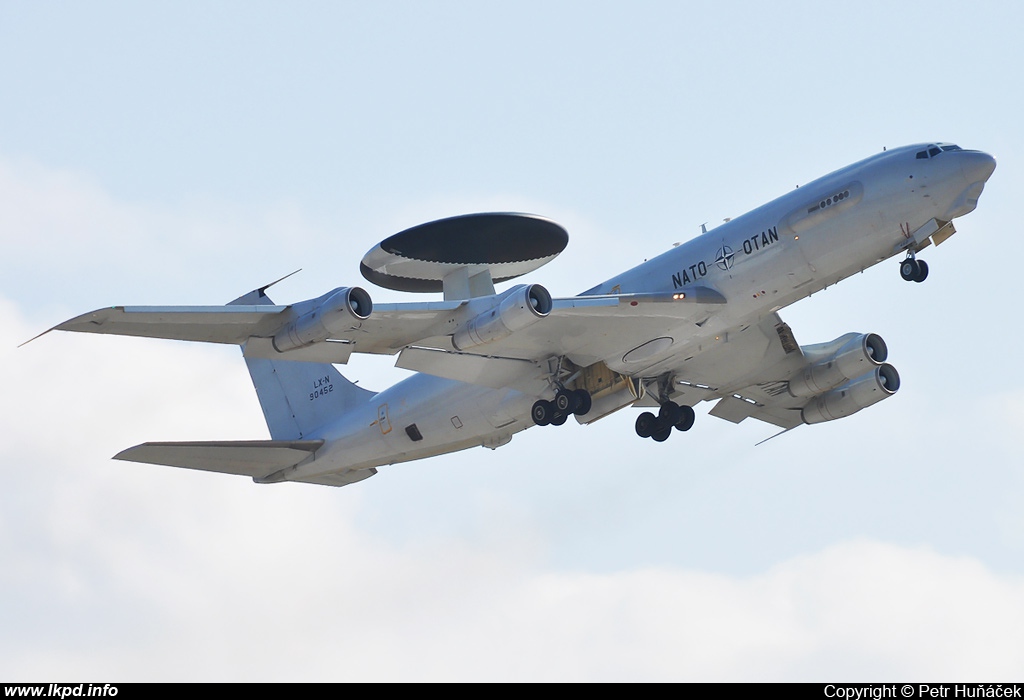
(299, 397)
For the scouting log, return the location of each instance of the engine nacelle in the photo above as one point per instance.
(335, 313)
(864, 391)
(521, 307)
(851, 360)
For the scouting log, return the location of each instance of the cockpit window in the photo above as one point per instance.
(934, 150)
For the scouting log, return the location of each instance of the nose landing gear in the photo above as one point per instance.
(670, 415)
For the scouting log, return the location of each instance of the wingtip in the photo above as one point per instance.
(62, 326)
(123, 454)
(38, 336)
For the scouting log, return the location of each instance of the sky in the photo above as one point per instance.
(185, 153)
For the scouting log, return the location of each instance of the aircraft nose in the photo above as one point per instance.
(977, 166)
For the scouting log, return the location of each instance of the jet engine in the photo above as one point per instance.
(336, 312)
(522, 306)
(857, 355)
(864, 391)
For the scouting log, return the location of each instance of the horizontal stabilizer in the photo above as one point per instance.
(253, 458)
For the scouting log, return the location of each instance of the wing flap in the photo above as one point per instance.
(736, 409)
(329, 351)
(733, 409)
(493, 372)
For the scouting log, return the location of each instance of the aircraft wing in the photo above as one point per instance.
(585, 329)
(747, 373)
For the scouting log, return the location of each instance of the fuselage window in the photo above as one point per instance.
(829, 201)
(934, 151)
(921, 155)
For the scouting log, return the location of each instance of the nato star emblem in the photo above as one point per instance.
(725, 256)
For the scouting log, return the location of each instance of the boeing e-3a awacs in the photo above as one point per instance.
(697, 323)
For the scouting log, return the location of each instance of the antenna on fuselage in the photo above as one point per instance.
(704, 227)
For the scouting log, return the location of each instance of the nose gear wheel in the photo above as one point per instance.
(914, 270)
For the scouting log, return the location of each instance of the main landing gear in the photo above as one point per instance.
(567, 402)
(913, 270)
(659, 427)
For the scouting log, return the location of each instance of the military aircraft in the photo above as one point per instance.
(697, 323)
